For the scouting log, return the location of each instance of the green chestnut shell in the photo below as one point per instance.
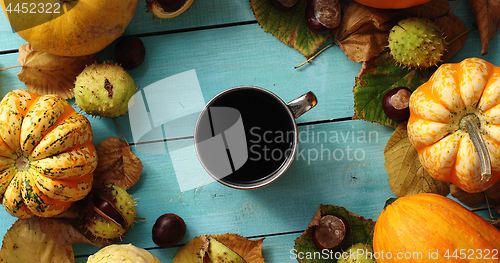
(416, 43)
(104, 90)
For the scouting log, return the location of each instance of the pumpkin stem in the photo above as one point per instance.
(471, 124)
(22, 163)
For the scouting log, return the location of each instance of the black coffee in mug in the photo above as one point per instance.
(246, 137)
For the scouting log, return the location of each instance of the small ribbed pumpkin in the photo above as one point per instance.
(47, 156)
(414, 226)
(455, 124)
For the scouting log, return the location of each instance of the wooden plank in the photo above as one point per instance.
(353, 168)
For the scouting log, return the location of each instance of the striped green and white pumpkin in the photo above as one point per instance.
(47, 156)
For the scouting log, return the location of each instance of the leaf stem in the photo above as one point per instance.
(120, 128)
(315, 55)
(488, 204)
(16, 66)
(461, 34)
(453, 7)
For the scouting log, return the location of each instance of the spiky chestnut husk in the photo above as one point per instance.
(416, 43)
(104, 90)
(114, 213)
(155, 8)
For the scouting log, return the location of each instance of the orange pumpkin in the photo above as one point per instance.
(47, 156)
(391, 4)
(433, 228)
(455, 124)
(69, 28)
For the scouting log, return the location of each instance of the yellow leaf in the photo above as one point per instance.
(44, 73)
(407, 176)
(250, 250)
(25, 242)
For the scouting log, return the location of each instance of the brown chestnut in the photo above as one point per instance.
(396, 103)
(104, 208)
(168, 230)
(171, 5)
(331, 232)
(322, 16)
(130, 52)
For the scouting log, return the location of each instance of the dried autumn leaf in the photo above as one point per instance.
(431, 9)
(361, 232)
(376, 78)
(452, 27)
(474, 199)
(407, 176)
(469, 199)
(44, 73)
(487, 19)
(61, 231)
(493, 193)
(25, 242)
(288, 27)
(117, 164)
(363, 31)
(250, 250)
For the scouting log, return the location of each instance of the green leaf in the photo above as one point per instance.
(289, 27)
(361, 232)
(407, 176)
(375, 79)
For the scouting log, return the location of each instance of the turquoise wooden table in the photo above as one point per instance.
(217, 44)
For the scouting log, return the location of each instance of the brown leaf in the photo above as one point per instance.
(44, 73)
(250, 250)
(62, 231)
(493, 193)
(451, 27)
(117, 164)
(25, 242)
(431, 9)
(469, 199)
(487, 19)
(475, 199)
(67, 232)
(363, 32)
(407, 176)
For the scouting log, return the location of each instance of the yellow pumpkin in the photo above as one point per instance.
(433, 228)
(47, 156)
(455, 124)
(69, 28)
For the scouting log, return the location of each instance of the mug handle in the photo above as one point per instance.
(302, 104)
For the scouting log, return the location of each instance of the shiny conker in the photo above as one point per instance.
(322, 16)
(130, 52)
(396, 103)
(331, 232)
(168, 230)
(104, 208)
(283, 5)
(171, 5)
